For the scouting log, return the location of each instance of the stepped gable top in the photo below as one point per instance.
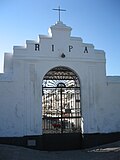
(58, 39)
(59, 26)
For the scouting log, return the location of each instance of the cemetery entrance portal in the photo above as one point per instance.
(61, 107)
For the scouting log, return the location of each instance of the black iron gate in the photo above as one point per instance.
(61, 109)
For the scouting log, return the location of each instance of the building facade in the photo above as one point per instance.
(57, 65)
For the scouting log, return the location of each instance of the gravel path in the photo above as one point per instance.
(105, 152)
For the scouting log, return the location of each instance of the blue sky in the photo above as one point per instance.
(95, 21)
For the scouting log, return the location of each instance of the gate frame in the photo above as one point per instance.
(63, 73)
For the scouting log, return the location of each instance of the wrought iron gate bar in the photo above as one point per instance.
(50, 118)
(62, 87)
(51, 77)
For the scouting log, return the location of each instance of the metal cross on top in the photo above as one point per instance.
(59, 10)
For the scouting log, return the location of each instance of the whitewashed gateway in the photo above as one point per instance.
(58, 86)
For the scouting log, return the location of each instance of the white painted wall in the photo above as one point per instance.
(111, 109)
(21, 84)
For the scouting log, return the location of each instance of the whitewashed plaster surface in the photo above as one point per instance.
(21, 84)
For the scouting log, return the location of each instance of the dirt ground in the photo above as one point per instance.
(104, 152)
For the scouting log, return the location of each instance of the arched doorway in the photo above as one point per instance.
(61, 106)
(61, 102)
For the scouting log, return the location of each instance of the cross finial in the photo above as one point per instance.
(59, 10)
